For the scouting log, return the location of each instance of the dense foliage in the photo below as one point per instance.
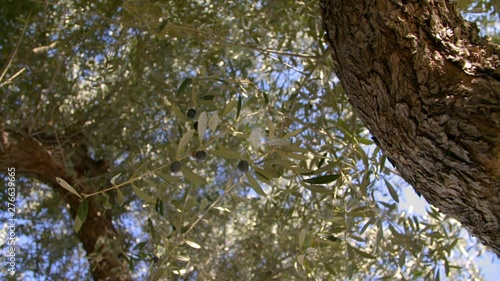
(315, 198)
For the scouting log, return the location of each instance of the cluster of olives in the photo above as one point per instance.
(201, 155)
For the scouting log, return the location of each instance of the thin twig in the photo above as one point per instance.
(7, 66)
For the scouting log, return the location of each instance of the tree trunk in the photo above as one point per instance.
(428, 88)
(39, 160)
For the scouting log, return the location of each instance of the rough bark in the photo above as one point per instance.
(428, 88)
(39, 159)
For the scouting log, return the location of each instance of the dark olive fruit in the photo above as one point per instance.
(191, 113)
(175, 167)
(243, 166)
(155, 259)
(201, 155)
(195, 125)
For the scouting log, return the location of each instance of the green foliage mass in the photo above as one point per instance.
(121, 75)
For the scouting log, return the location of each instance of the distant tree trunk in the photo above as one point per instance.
(428, 88)
(40, 159)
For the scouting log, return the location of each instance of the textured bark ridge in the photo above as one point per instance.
(428, 88)
(41, 159)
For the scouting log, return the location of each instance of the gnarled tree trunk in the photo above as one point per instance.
(35, 158)
(428, 88)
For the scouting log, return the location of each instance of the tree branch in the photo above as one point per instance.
(99, 238)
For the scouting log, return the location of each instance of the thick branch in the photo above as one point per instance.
(97, 234)
(428, 88)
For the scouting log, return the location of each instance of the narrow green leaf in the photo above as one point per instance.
(402, 259)
(254, 185)
(279, 142)
(394, 232)
(182, 88)
(270, 126)
(293, 148)
(380, 235)
(78, 224)
(203, 204)
(81, 215)
(463, 5)
(362, 154)
(336, 244)
(362, 254)
(368, 223)
(141, 167)
(143, 195)
(281, 162)
(83, 209)
(192, 177)
(383, 158)
(293, 133)
(119, 197)
(268, 172)
(392, 191)
(228, 107)
(177, 111)
(238, 108)
(350, 271)
(202, 125)
(113, 179)
(302, 237)
(300, 259)
(166, 177)
(365, 141)
(184, 141)
(297, 156)
(323, 169)
(193, 245)
(159, 206)
(299, 170)
(318, 188)
(105, 202)
(183, 258)
(264, 175)
(330, 269)
(207, 97)
(357, 238)
(68, 187)
(152, 230)
(266, 98)
(226, 154)
(322, 179)
(213, 122)
(322, 160)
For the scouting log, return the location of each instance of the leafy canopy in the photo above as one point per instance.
(318, 199)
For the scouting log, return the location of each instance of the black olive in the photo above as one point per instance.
(155, 259)
(201, 155)
(243, 166)
(175, 167)
(191, 113)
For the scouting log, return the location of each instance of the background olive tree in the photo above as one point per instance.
(104, 88)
